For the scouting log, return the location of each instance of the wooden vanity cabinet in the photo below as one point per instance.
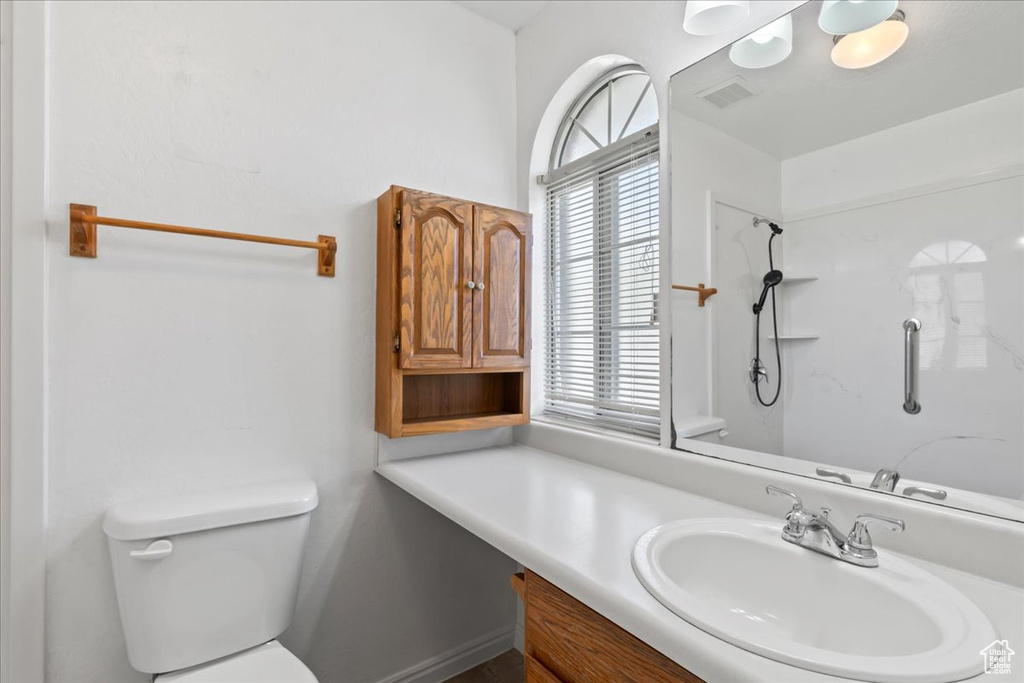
(453, 314)
(567, 642)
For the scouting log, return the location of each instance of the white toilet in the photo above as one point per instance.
(206, 581)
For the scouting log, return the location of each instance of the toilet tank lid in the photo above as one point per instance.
(189, 512)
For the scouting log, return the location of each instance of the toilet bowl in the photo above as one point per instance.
(206, 582)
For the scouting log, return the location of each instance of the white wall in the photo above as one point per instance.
(26, 427)
(975, 138)
(843, 406)
(550, 54)
(177, 363)
(6, 16)
(742, 182)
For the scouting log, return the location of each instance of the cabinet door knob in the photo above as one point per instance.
(471, 285)
(480, 286)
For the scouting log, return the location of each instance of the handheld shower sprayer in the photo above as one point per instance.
(771, 279)
(773, 276)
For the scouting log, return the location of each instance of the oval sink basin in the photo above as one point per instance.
(738, 580)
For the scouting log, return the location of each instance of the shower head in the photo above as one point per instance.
(774, 226)
(771, 279)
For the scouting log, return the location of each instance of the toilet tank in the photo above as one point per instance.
(204, 575)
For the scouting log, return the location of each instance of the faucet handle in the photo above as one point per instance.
(783, 493)
(797, 519)
(937, 494)
(828, 472)
(860, 538)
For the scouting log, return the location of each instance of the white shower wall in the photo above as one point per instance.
(922, 220)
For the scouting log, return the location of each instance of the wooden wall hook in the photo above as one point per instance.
(704, 293)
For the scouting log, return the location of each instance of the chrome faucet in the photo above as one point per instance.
(814, 531)
(885, 479)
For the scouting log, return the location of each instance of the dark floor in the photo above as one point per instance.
(505, 668)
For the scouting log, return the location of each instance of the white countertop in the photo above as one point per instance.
(575, 524)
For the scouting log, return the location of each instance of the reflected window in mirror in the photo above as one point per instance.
(949, 300)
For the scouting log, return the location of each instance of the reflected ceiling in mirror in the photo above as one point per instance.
(957, 53)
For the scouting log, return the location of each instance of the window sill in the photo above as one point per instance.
(555, 421)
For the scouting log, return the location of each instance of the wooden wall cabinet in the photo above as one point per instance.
(567, 642)
(453, 314)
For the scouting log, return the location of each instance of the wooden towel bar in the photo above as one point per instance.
(83, 222)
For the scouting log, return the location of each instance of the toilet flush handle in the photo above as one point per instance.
(157, 550)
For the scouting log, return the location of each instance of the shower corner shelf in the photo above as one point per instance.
(802, 336)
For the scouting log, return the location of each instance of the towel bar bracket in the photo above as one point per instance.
(325, 257)
(83, 235)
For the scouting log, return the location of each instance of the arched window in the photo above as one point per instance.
(617, 105)
(602, 330)
(947, 279)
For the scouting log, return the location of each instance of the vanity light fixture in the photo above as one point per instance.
(766, 46)
(842, 17)
(867, 48)
(710, 17)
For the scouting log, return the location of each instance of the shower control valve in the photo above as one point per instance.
(757, 371)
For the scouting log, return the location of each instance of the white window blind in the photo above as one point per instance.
(602, 339)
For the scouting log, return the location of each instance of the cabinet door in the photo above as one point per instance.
(502, 299)
(436, 304)
(577, 645)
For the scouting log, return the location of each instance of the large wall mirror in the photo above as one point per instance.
(857, 199)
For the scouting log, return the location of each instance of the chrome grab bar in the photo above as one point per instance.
(827, 472)
(911, 326)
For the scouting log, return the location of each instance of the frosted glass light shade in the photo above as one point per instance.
(841, 17)
(867, 48)
(709, 17)
(767, 46)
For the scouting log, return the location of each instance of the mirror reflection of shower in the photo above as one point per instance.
(900, 201)
(758, 371)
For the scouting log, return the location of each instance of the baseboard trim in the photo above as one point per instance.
(456, 660)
